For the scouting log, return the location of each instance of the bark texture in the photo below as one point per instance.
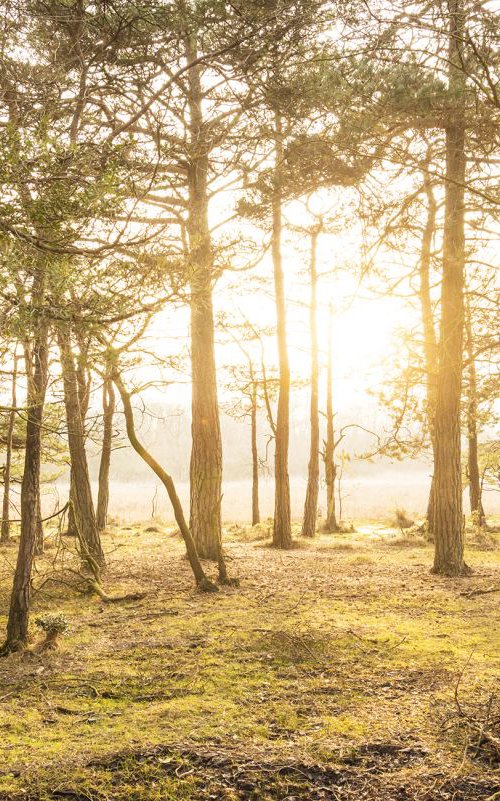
(20, 601)
(83, 507)
(206, 452)
(448, 514)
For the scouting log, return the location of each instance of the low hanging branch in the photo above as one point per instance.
(203, 583)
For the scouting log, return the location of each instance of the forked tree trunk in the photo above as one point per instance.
(85, 521)
(17, 624)
(473, 473)
(5, 532)
(201, 579)
(331, 524)
(206, 452)
(108, 406)
(431, 353)
(311, 502)
(255, 456)
(282, 530)
(448, 514)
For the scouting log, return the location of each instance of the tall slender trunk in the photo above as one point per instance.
(88, 535)
(71, 527)
(311, 502)
(108, 407)
(39, 541)
(83, 382)
(331, 524)
(473, 473)
(5, 532)
(39, 536)
(20, 601)
(431, 354)
(282, 530)
(448, 514)
(255, 454)
(206, 452)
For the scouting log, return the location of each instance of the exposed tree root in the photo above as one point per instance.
(112, 599)
(205, 585)
(226, 581)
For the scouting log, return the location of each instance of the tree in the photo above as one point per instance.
(253, 389)
(5, 530)
(331, 524)
(17, 625)
(108, 407)
(81, 498)
(311, 502)
(202, 581)
(448, 523)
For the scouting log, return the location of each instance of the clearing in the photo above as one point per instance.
(339, 670)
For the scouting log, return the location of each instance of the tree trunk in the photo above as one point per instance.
(201, 579)
(282, 530)
(83, 507)
(39, 525)
(431, 353)
(473, 473)
(311, 502)
(448, 515)
(71, 527)
(83, 382)
(255, 457)
(17, 624)
(206, 452)
(108, 406)
(5, 533)
(331, 524)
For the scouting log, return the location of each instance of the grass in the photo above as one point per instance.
(334, 665)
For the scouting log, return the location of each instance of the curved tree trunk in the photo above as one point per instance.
(311, 502)
(5, 532)
(206, 453)
(88, 535)
(282, 530)
(108, 405)
(17, 624)
(201, 579)
(448, 514)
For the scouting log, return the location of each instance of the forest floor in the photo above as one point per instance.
(339, 670)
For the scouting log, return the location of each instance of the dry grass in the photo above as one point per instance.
(329, 674)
